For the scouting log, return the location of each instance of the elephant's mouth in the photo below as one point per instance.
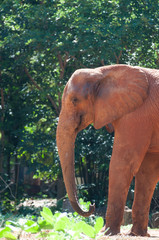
(77, 129)
(83, 123)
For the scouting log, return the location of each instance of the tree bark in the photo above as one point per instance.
(8, 167)
(62, 64)
(118, 57)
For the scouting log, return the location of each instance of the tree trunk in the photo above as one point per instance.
(8, 167)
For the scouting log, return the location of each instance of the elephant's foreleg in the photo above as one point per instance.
(129, 150)
(132, 139)
(145, 182)
(119, 181)
(124, 164)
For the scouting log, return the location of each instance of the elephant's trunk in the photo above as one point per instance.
(65, 142)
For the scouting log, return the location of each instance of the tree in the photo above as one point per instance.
(41, 44)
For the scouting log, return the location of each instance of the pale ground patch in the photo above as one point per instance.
(154, 235)
(123, 236)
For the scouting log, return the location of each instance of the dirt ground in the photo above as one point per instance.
(154, 235)
(123, 236)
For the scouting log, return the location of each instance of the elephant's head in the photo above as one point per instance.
(99, 96)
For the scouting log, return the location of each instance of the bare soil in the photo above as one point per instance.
(154, 235)
(49, 202)
(123, 236)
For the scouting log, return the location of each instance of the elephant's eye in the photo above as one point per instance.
(75, 101)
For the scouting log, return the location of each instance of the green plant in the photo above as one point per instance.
(63, 225)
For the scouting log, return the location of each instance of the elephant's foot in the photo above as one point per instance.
(110, 231)
(137, 231)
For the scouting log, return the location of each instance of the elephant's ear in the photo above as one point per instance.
(121, 90)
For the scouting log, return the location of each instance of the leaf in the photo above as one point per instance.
(47, 215)
(89, 230)
(85, 228)
(62, 224)
(31, 226)
(99, 224)
(78, 227)
(6, 229)
(12, 228)
(6, 232)
(10, 222)
(9, 235)
(29, 223)
(33, 229)
(44, 225)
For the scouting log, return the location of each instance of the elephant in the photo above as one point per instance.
(125, 99)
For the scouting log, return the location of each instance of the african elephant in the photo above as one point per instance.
(127, 98)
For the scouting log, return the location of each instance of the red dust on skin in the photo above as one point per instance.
(124, 99)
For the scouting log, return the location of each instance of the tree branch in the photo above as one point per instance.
(7, 186)
(102, 62)
(118, 57)
(62, 63)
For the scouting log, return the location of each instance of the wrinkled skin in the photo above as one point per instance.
(124, 99)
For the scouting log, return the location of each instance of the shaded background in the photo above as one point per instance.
(41, 44)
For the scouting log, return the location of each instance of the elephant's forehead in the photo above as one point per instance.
(75, 82)
(74, 86)
(81, 76)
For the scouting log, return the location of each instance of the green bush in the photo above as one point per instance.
(63, 225)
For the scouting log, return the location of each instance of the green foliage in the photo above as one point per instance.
(92, 153)
(59, 225)
(6, 233)
(42, 43)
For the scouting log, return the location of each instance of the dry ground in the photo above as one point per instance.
(123, 236)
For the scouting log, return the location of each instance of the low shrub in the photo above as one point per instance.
(54, 226)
